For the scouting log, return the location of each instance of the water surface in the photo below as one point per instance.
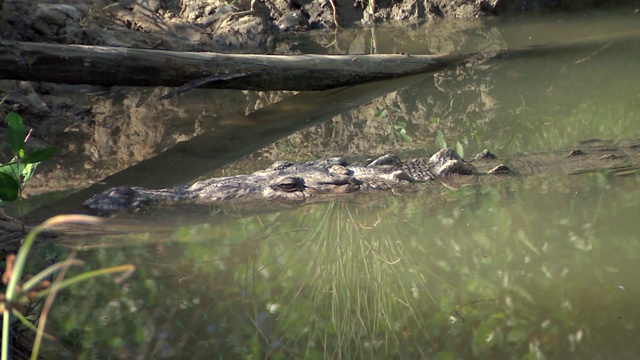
(540, 267)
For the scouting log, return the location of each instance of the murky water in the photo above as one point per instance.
(541, 267)
(544, 267)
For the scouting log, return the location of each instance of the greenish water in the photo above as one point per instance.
(542, 267)
(532, 268)
(547, 100)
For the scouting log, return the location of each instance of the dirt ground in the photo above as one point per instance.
(229, 26)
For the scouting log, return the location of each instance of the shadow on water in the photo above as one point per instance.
(189, 160)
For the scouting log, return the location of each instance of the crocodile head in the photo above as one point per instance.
(282, 181)
(313, 181)
(116, 199)
(299, 182)
(289, 182)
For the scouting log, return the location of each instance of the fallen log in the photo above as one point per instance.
(109, 66)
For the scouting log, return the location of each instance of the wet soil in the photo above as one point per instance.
(229, 26)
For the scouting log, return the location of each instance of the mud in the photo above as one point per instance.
(229, 26)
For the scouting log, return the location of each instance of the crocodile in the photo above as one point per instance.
(327, 178)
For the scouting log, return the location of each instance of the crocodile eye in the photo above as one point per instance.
(289, 184)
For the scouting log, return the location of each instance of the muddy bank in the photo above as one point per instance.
(241, 26)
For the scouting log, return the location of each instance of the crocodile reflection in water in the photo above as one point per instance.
(327, 178)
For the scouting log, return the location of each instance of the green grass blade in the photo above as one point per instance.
(21, 259)
(125, 269)
(34, 281)
(29, 324)
(6, 321)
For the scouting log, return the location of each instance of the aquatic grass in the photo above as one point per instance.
(18, 296)
(374, 287)
(417, 277)
(357, 280)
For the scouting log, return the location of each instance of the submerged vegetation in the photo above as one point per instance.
(474, 276)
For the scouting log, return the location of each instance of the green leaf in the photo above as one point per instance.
(406, 138)
(516, 335)
(140, 335)
(459, 149)
(435, 120)
(27, 172)
(15, 134)
(12, 169)
(39, 155)
(440, 142)
(9, 187)
(383, 117)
